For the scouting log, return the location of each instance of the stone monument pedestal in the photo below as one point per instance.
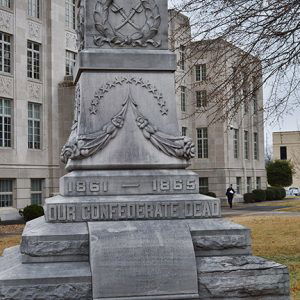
(129, 222)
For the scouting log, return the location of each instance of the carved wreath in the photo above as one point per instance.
(86, 145)
(141, 38)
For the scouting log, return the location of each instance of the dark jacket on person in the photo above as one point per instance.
(230, 192)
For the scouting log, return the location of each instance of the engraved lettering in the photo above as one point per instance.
(178, 184)
(104, 212)
(174, 210)
(52, 213)
(140, 211)
(95, 212)
(113, 211)
(94, 186)
(86, 212)
(122, 211)
(80, 186)
(165, 185)
(191, 184)
(105, 186)
(62, 212)
(71, 213)
(154, 185)
(197, 209)
(206, 209)
(130, 211)
(188, 209)
(149, 211)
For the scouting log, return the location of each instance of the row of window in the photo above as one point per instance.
(33, 57)
(202, 143)
(201, 100)
(34, 10)
(204, 185)
(7, 192)
(6, 124)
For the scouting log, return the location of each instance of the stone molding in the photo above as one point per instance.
(34, 91)
(6, 86)
(6, 21)
(71, 41)
(35, 31)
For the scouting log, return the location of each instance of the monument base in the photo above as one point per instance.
(71, 261)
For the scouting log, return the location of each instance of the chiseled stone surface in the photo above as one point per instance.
(142, 259)
(231, 277)
(51, 281)
(42, 239)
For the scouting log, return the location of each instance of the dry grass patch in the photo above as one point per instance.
(9, 241)
(277, 238)
(293, 204)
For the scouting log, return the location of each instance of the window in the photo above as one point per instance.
(258, 183)
(6, 192)
(34, 126)
(236, 143)
(203, 185)
(5, 3)
(70, 62)
(5, 52)
(202, 142)
(283, 153)
(249, 185)
(201, 98)
(181, 57)
(37, 191)
(255, 145)
(33, 60)
(238, 185)
(70, 14)
(183, 131)
(33, 8)
(200, 72)
(246, 144)
(183, 98)
(5, 123)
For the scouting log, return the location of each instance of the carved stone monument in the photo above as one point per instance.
(129, 222)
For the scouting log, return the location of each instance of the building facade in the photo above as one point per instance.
(37, 55)
(286, 146)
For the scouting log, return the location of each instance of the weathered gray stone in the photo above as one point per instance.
(142, 259)
(230, 277)
(40, 239)
(131, 207)
(129, 182)
(123, 24)
(39, 281)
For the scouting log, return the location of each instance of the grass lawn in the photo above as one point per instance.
(277, 238)
(274, 237)
(292, 203)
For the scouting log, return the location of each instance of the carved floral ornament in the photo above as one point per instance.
(82, 146)
(141, 35)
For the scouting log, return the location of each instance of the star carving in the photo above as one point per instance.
(119, 81)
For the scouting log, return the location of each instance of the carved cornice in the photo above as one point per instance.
(6, 21)
(6, 86)
(34, 31)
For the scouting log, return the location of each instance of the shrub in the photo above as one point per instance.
(31, 212)
(211, 194)
(280, 173)
(259, 195)
(249, 198)
(270, 194)
(282, 193)
(279, 192)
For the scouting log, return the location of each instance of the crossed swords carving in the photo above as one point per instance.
(127, 18)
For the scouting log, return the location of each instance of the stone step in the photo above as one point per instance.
(242, 277)
(46, 242)
(224, 277)
(49, 281)
(49, 242)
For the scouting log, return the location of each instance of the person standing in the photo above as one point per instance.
(230, 193)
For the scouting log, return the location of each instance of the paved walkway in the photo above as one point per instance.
(243, 209)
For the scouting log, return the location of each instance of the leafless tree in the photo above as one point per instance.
(268, 34)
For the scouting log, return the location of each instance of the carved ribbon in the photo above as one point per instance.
(86, 145)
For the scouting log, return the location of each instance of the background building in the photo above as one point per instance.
(37, 55)
(286, 146)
